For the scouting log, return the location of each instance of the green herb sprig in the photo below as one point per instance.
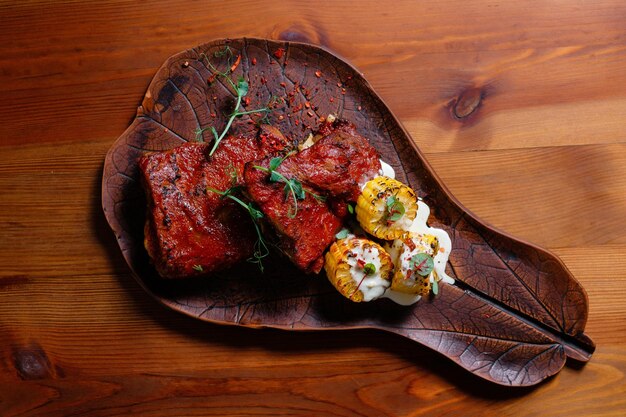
(342, 234)
(240, 88)
(260, 246)
(292, 188)
(435, 287)
(422, 263)
(369, 269)
(394, 209)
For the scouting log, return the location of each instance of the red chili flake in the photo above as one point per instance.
(263, 80)
(185, 64)
(166, 130)
(280, 117)
(213, 114)
(214, 98)
(318, 73)
(211, 79)
(297, 122)
(253, 61)
(307, 105)
(236, 64)
(359, 108)
(360, 263)
(338, 84)
(343, 91)
(410, 244)
(310, 113)
(279, 53)
(283, 84)
(247, 101)
(332, 99)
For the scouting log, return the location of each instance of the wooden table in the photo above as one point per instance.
(543, 157)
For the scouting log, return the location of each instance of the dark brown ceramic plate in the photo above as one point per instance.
(514, 315)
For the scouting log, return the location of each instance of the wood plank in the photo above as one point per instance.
(406, 381)
(554, 197)
(434, 56)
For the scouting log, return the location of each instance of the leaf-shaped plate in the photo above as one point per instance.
(514, 315)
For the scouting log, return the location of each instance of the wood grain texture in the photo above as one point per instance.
(70, 309)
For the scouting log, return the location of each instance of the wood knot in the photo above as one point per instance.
(14, 281)
(467, 103)
(294, 36)
(304, 31)
(31, 363)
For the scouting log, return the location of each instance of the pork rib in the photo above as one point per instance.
(189, 229)
(334, 168)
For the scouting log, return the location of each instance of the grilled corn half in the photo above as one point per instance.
(359, 268)
(414, 264)
(386, 208)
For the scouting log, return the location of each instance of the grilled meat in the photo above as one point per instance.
(334, 168)
(189, 229)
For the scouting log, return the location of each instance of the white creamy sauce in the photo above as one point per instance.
(386, 170)
(372, 286)
(401, 254)
(375, 287)
(404, 223)
(445, 244)
(401, 298)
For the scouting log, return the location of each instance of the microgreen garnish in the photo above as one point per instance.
(198, 268)
(395, 209)
(240, 88)
(275, 162)
(342, 234)
(435, 287)
(422, 263)
(199, 133)
(223, 52)
(292, 188)
(369, 269)
(232, 173)
(350, 209)
(260, 247)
